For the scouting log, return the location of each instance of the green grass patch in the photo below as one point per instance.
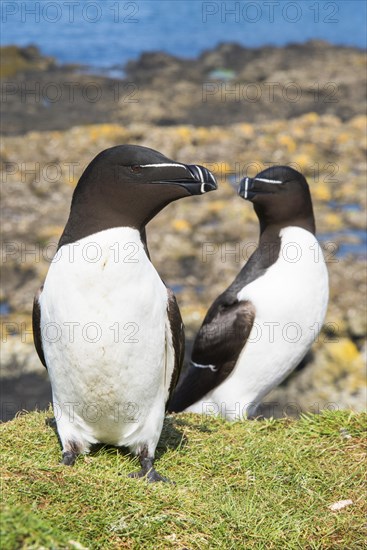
(256, 485)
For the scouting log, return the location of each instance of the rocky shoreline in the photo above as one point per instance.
(227, 85)
(198, 249)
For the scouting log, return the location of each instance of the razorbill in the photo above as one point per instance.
(260, 328)
(105, 325)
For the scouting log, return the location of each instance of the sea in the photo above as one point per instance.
(108, 33)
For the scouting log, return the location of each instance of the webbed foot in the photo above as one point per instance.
(68, 458)
(148, 471)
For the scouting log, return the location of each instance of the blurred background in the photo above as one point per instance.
(236, 86)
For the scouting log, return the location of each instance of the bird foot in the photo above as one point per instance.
(151, 476)
(148, 471)
(68, 458)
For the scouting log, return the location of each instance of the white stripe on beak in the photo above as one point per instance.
(200, 174)
(246, 187)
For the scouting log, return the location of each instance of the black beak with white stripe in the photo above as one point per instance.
(281, 196)
(250, 187)
(196, 181)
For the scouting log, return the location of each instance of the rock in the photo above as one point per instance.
(16, 59)
(226, 85)
(18, 358)
(357, 323)
(335, 379)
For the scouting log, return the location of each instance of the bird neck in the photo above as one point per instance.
(269, 230)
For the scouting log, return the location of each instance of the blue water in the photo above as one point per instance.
(346, 242)
(4, 308)
(348, 207)
(106, 33)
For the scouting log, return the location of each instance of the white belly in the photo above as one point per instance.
(104, 328)
(290, 302)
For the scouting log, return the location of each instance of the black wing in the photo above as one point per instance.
(178, 338)
(225, 330)
(36, 322)
(217, 347)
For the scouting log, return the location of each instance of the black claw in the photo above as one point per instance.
(68, 458)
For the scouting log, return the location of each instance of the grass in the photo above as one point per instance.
(256, 485)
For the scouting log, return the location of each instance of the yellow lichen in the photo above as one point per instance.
(247, 130)
(333, 221)
(50, 231)
(185, 133)
(181, 225)
(216, 206)
(303, 162)
(288, 142)
(98, 131)
(343, 137)
(359, 122)
(321, 192)
(343, 352)
(311, 117)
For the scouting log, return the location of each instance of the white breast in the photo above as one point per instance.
(104, 327)
(290, 301)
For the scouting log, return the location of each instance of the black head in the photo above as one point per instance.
(134, 165)
(128, 185)
(281, 197)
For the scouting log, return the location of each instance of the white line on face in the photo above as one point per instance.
(162, 165)
(267, 181)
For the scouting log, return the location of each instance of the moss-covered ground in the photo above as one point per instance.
(256, 484)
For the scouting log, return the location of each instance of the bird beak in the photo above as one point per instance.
(203, 177)
(250, 187)
(245, 188)
(199, 180)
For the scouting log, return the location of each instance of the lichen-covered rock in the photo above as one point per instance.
(226, 85)
(335, 379)
(16, 59)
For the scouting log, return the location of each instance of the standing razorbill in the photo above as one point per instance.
(105, 325)
(260, 328)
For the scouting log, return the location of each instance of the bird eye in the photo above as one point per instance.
(136, 168)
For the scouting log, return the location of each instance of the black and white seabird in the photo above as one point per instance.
(261, 327)
(105, 326)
